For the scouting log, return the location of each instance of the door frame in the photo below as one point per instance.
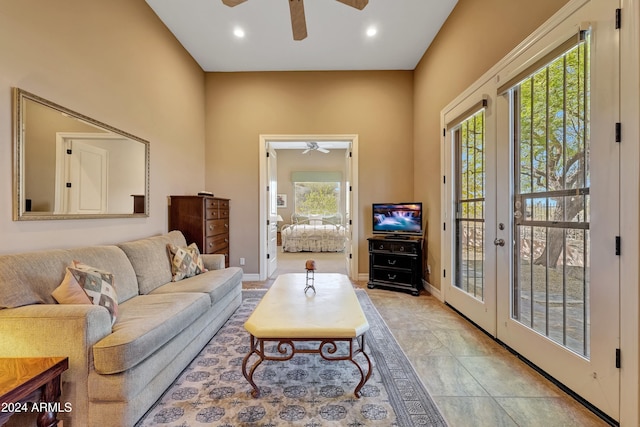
(264, 139)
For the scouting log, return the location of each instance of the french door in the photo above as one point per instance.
(533, 206)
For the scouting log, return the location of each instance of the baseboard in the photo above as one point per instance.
(363, 277)
(432, 290)
(250, 277)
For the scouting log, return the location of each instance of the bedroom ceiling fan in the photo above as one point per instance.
(313, 146)
(296, 8)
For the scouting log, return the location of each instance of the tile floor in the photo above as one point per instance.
(473, 380)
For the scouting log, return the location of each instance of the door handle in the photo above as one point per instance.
(498, 242)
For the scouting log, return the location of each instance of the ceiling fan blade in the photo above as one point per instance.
(298, 21)
(358, 4)
(232, 3)
(306, 151)
(322, 150)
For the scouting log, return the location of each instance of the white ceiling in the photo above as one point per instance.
(336, 33)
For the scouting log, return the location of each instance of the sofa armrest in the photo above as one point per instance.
(213, 261)
(57, 330)
(51, 329)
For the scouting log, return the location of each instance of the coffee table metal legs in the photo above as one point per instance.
(286, 349)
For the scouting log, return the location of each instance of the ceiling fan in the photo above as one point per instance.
(313, 146)
(296, 8)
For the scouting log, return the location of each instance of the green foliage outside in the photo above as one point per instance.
(551, 127)
(472, 155)
(553, 147)
(317, 198)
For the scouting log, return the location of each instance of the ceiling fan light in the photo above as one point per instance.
(372, 31)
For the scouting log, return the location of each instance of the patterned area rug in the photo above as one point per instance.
(304, 391)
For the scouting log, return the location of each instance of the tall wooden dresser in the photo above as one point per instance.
(203, 220)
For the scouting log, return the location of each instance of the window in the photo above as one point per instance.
(551, 206)
(470, 200)
(317, 198)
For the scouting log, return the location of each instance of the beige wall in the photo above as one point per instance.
(116, 62)
(476, 36)
(376, 105)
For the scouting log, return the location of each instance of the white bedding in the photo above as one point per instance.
(313, 238)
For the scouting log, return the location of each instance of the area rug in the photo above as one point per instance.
(304, 391)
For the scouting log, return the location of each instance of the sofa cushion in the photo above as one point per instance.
(185, 261)
(216, 283)
(150, 259)
(83, 284)
(145, 324)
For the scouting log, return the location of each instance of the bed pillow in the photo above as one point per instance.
(185, 261)
(297, 218)
(83, 284)
(315, 219)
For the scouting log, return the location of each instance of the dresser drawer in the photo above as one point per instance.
(211, 203)
(380, 245)
(393, 261)
(393, 246)
(214, 227)
(392, 276)
(223, 213)
(217, 243)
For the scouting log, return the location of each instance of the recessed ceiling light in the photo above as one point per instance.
(238, 32)
(372, 31)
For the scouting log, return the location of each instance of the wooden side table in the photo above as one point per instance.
(21, 377)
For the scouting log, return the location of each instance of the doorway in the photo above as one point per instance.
(271, 197)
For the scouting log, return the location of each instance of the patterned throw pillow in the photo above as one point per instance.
(83, 284)
(185, 262)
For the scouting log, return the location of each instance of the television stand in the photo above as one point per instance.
(395, 263)
(397, 237)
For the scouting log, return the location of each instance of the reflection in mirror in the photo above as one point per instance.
(68, 166)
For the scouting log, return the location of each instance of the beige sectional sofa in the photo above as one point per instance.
(115, 373)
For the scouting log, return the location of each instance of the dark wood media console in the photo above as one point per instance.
(395, 263)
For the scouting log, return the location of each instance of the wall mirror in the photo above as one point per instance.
(69, 166)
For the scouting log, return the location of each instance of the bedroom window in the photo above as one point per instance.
(317, 198)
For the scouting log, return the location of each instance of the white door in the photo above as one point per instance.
(347, 191)
(561, 309)
(532, 204)
(470, 280)
(82, 178)
(272, 209)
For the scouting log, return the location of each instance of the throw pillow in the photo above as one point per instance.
(185, 262)
(83, 284)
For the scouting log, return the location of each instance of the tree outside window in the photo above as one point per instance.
(317, 198)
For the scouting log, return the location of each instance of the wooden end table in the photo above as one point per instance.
(21, 377)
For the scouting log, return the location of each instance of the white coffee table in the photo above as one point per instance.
(288, 316)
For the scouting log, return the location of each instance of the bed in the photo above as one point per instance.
(313, 234)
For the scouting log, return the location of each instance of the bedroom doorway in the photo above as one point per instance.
(277, 201)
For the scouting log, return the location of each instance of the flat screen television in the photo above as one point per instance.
(397, 219)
